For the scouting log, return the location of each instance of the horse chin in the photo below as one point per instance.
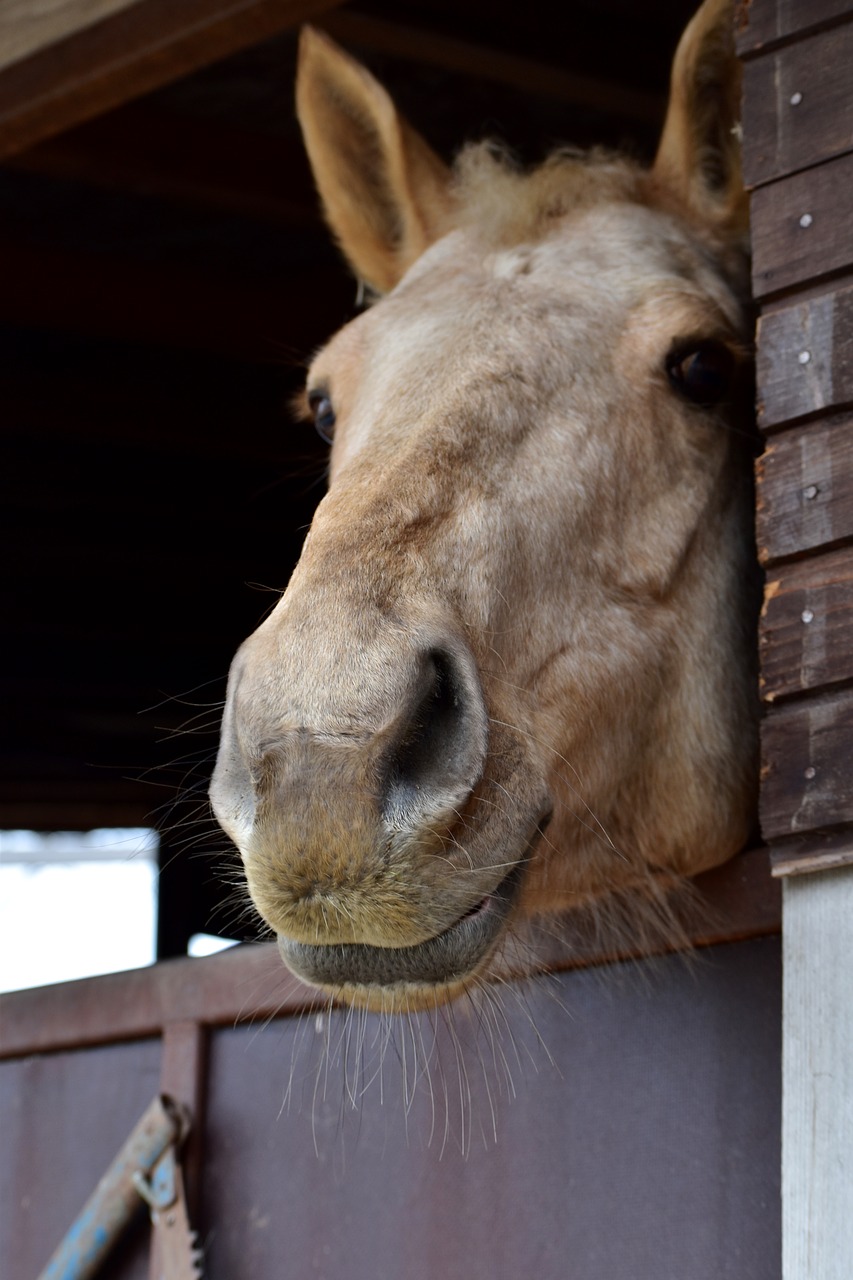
(401, 979)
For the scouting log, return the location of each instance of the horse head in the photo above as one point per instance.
(512, 672)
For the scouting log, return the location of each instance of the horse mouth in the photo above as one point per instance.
(445, 959)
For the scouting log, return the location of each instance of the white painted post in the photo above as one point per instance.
(817, 1125)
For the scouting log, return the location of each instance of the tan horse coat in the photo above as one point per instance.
(525, 601)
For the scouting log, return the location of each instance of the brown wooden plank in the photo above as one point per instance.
(798, 106)
(805, 489)
(26, 26)
(807, 769)
(802, 227)
(138, 49)
(816, 851)
(762, 23)
(806, 635)
(737, 901)
(805, 358)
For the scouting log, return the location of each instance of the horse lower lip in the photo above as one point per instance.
(447, 957)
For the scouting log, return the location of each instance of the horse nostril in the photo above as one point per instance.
(440, 746)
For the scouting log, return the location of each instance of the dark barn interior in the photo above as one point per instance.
(165, 273)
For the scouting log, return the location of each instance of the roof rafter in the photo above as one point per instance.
(75, 69)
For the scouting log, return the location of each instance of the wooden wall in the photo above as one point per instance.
(798, 160)
(798, 153)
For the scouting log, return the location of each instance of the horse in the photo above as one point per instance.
(512, 675)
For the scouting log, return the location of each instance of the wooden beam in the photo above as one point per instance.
(480, 62)
(27, 26)
(138, 47)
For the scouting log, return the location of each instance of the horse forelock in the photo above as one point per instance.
(509, 204)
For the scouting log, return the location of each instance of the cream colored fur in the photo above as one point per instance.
(514, 480)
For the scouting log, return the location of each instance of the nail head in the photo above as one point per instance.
(807, 615)
(796, 99)
(804, 357)
(811, 491)
(806, 220)
(810, 772)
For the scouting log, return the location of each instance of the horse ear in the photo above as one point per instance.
(699, 152)
(385, 192)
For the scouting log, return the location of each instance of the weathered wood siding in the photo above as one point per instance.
(798, 161)
(798, 154)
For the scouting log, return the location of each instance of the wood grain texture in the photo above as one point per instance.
(798, 106)
(763, 23)
(806, 634)
(29, 25)
(817, 1069)
(802, 227)
(807, 765)
(805, 489)
(814, 851)
(140, 48)
(805, 358)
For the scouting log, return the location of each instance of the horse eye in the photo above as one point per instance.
(323, 413)
(702, 374)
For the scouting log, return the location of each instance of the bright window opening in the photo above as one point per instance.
(74, 904)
